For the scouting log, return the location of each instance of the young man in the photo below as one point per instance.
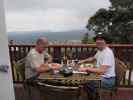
(105, 63)
(38, 60)
(105, 66)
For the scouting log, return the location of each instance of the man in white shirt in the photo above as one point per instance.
(105, 66)
(38, 60)
(105, 62)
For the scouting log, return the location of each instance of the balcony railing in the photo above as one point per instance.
(122, 51)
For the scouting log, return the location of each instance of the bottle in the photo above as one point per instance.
(76, 66)
(65, 60)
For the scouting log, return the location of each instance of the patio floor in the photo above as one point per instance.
(122, 94)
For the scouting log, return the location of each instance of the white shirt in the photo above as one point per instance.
(106, 57)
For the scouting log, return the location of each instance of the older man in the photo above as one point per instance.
(38, 60)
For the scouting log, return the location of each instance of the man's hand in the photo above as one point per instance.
(56, 66)
(88, 69)
(83, 69)
(90, 59)
(46, 67)
(50, 60)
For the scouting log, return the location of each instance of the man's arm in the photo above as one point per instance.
(47, 67)
(101, 70)
(43, 67)
(90, 59)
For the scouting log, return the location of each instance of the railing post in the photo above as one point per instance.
(57, 54)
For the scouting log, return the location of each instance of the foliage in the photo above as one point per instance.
(116, 22)
(122, 3)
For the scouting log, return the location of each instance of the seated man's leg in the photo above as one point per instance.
(32, 81)
(91, 89)
(108, 83)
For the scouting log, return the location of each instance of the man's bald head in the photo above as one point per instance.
(42, 40)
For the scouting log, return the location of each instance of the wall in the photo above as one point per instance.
(6, 83)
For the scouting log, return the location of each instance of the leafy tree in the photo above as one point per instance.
(116, 22)
(122, 3)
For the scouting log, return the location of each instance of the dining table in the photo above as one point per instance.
(57, 86)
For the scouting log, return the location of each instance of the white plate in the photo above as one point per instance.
(77, 72)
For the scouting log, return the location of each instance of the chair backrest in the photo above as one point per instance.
(120, 70)
(20, 68)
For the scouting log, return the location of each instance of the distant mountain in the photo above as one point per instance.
(30, 37)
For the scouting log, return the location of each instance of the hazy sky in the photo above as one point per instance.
(50, 15)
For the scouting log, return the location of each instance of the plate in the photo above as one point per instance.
(78, 72)
(86, 65)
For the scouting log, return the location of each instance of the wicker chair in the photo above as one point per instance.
(120, 73)
(20, 71)
(51, 92)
